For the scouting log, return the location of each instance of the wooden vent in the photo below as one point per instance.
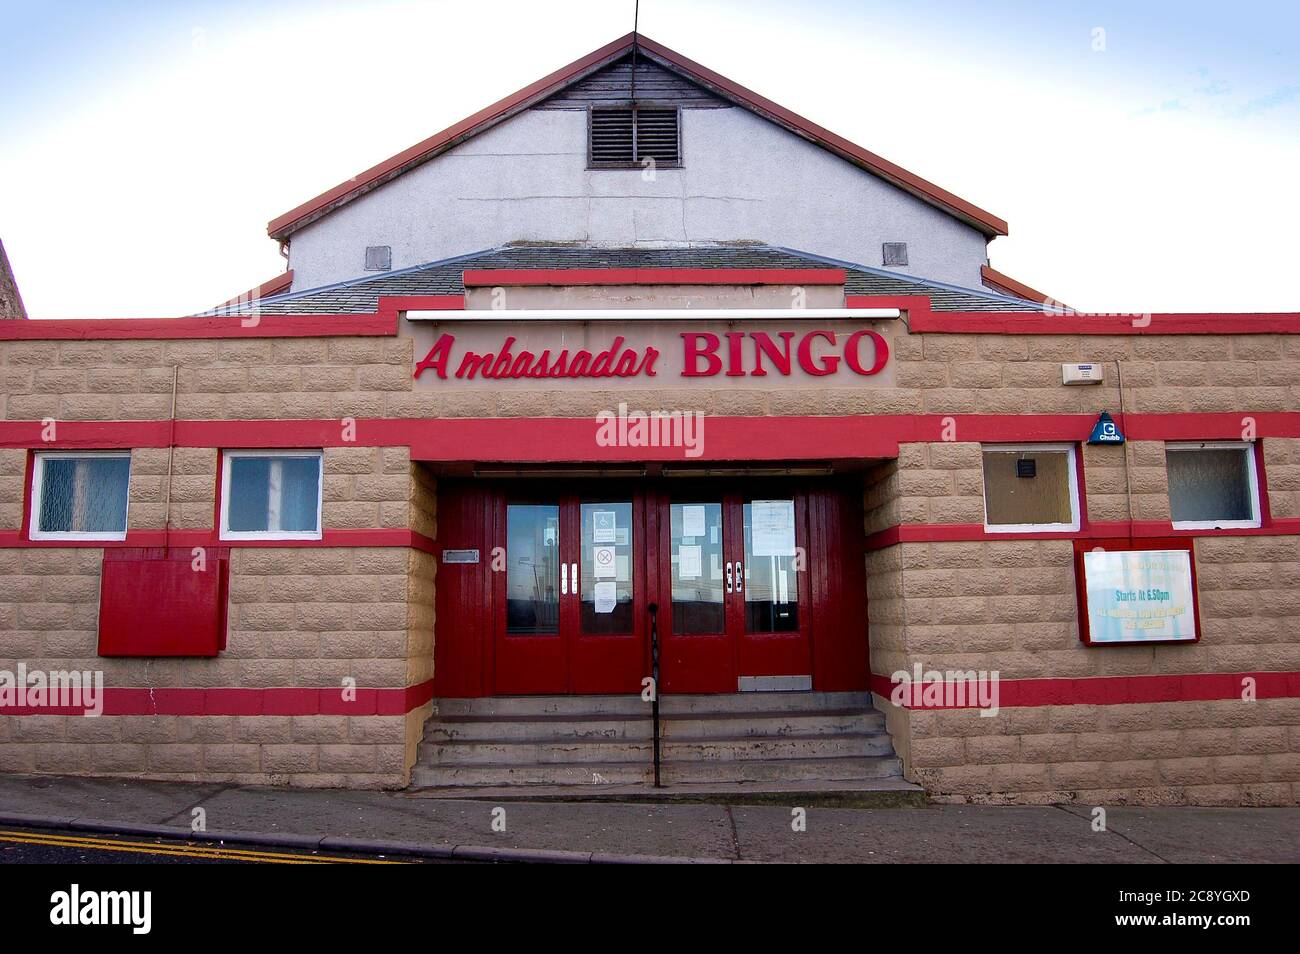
(627, 135)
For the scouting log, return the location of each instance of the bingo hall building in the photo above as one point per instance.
(637, 371)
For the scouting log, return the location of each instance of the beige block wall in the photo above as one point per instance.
(371, 377)
(1011, 605)
(298, 617)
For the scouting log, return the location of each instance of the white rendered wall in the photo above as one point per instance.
(743, 178)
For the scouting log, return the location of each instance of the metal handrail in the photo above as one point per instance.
(654, 682)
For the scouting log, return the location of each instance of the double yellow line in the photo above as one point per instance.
(179, 850)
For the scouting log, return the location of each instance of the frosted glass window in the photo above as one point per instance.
(277, 494)
(1212, 485)
(1030, 488)
(81, 494)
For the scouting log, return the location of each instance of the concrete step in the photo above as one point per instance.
(589, 774)
(784, 770)
(596, 774)
(523, 728)
(593, 742)
(770, 724)
(599, 751)
(631, 705)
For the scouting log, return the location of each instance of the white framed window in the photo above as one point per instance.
(1030, 488)
(1212, 484)
(271, 495)
(80, 495)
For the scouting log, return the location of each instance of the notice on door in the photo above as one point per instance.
(692, 521)
(772, 527)
(602, 559)
(604, 528)
(689, 562)
(606, 596)
(1139, 596)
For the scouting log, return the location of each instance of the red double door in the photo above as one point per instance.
(574, 576)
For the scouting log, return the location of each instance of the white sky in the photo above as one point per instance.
(139, 166)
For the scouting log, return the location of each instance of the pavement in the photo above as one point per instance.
(415, 825)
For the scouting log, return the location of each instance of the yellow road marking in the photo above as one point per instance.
(187, 850)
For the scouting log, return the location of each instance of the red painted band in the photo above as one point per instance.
(224, 326)
(1123, 690)
(562, 439)
(922, 319)
(187, 539)
(975, 532)
(247, 702)
(491, 277)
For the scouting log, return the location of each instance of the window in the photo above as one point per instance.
(624, 136)
(271, 494)
(80, 495)
(1212, 484)
(1031, 487)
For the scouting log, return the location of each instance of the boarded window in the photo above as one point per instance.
(1212, 485)
(1030, 488)
(626, 136)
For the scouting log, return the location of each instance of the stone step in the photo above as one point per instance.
(594, 775)
(844, 769)
(585, 742)
(631, 706)
(523, 728)
(599, 751)
(589, 774)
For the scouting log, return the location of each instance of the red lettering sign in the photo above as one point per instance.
(817, 353)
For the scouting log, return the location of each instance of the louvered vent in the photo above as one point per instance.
(624, 136)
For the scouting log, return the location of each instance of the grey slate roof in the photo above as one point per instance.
(361, 295)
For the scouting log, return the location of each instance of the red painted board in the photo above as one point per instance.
(162, 607)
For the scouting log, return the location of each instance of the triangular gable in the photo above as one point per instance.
(575, 72)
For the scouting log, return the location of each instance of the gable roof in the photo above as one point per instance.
(446, 277)
(285, 225)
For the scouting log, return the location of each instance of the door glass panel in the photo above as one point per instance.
(771, 580)
(532, 569)
(695, 550)
(606, 568)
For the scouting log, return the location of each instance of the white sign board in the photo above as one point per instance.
(1139, 596)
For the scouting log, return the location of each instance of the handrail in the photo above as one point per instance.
(654, 682)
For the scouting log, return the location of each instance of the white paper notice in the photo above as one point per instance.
(602, 558)
(772, 527)
(715, 566)
(621, 569)
(603, 526)
(689, 562)
(692, 521)
(606, 596)
(782, 586)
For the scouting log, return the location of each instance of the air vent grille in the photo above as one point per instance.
(894, 253)
(625, 136)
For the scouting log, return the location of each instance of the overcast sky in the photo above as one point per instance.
(1145, 154)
